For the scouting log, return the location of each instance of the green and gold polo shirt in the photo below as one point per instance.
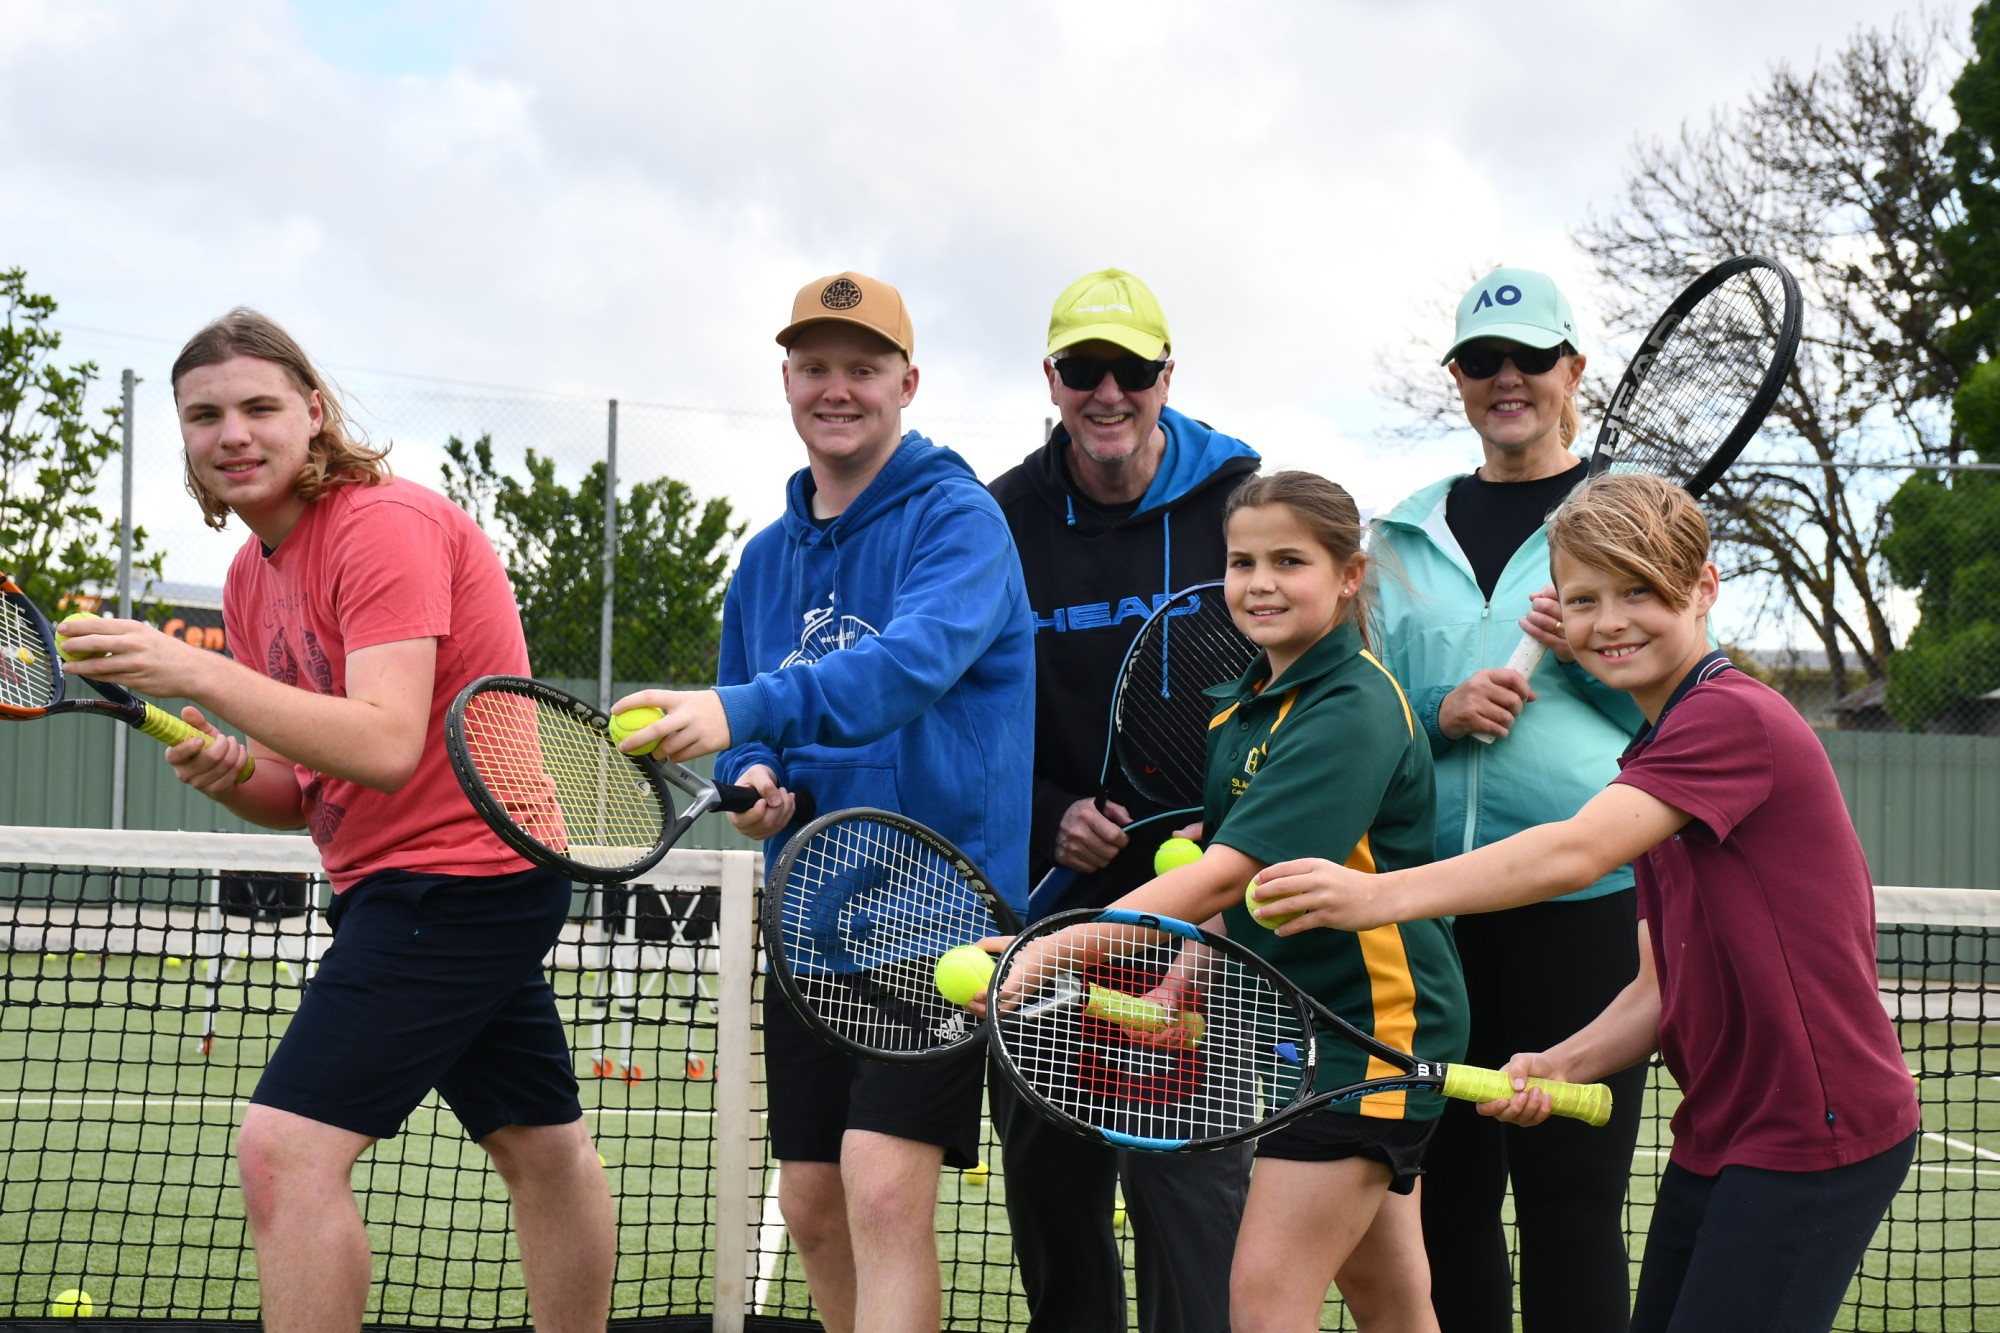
(1329, 762)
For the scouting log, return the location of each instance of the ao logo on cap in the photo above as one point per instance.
(1508, 295)
(845, 294)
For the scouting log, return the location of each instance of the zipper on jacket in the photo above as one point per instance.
(1472, 768)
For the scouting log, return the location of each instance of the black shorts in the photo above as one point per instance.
(432, 981)
(1330, 1136)
(817, 1093)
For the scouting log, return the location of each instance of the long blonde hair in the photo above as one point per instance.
(334, 457)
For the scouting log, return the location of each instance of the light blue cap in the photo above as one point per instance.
(1517, 304)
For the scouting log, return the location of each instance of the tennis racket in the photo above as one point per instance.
(1212, 1046)
(1702, 383)
(1158, 733)
(32, 683)
(857, 910)
(539, 766)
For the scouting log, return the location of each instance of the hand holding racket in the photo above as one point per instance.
(1158, 731)
(1254, 1067)
(539, 766)
(1701, 384)
(32, 683)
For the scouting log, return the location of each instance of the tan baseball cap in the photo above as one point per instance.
(852, 298)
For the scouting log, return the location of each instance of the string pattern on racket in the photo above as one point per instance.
(1703, 378)
(561, 781)
(866, 909)
(1160, 716)
(1195, 1045)
(27, 675)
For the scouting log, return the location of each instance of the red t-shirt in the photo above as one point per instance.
(1762, 916)
(367, 565)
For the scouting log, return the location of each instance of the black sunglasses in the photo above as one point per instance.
(1482, 361)
(1087, 372)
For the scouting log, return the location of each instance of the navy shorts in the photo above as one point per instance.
(1330, 1136)
(432, 981)
(817, 1093)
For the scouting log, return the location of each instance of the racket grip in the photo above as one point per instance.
(737, 799)
(1526, 657)
(167, 729)
(1588, 1102)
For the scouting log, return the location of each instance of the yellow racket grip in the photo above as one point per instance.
(1588, 1102)
(1142, 1015)
(167, 729)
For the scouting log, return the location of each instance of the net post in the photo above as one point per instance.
(735, 962)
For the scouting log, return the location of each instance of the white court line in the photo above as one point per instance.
(173, 1103)
(770, 1242)
(1963, 1146)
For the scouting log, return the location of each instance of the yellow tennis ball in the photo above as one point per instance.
(963, 972)
(976, 1174)
(1267, 922)
(173, 962)
(69, 656)
(631, 720)
(1118, 1217)
(72, 1304)
(1174, 853)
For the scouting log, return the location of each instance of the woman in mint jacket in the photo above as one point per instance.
(1464, 571)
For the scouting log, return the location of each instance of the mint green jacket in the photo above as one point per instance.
(1433, 629)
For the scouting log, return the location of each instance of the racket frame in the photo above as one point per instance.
(778, 953)
(662, 775)
(1462, 1081)
(113, 701)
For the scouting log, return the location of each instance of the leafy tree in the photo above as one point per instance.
(1972, 246)
(1945, 542)
(52, 538)
(671, 567)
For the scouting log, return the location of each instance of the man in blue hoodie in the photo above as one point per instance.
(877, 650)
(1121, 508)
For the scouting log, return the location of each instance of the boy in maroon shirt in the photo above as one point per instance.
(1757, 938)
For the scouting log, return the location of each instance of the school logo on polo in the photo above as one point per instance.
(841, 294)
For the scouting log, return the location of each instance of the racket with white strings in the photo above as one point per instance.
(1701, 384)
(1210, 1045)
(32, 683)
(540, 767)
(1159, 716)
(857, 910)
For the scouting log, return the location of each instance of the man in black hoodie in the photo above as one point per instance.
(1121, 508)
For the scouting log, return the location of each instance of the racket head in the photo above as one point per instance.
(857, 909)
(540, 768)
(1167, 1082)
(32, 683)
(1159, 713)
(1705, 376)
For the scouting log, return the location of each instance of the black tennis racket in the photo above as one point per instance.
(857, 910)
(32, 683)
(1159, 716)
(1701, 384)
(539, 766)
(1208, 1045)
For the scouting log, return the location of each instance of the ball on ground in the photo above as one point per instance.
(173, 962)
(72, 1304)
(631, 720)
(963, 972)
(1174, 853)
(1118, 1217)
(1267, 922)
(69, 656)
(976, 1174)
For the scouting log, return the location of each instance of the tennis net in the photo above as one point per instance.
(149, 975)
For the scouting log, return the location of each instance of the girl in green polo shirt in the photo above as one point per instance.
(1314, 753)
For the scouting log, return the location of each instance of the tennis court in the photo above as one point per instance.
(117, 1176)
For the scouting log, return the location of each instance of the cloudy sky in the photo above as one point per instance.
(496, 216)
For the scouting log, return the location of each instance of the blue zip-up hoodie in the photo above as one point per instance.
(886, 658)
(1435, 629)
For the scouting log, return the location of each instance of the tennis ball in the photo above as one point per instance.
(963, 972)
(69, 656)
(631, 720)
(173, 962)
(1175, 853)
(1118, 1217)
(72, 1304)
(976, 1174)
(1267, 922)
